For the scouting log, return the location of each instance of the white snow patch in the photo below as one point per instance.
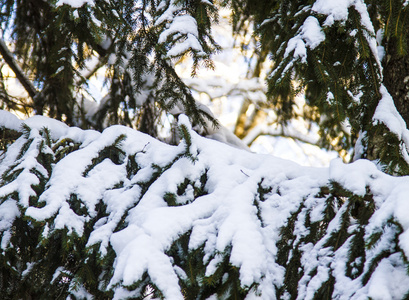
(311, 35)
(75, 3)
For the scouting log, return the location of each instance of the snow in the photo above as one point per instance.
(75, 3)
(312, 33)
(10, 121)
(231, 219)
(39, 122)
(352, 175)
(180, 24)
(226, 88)
(366, 22)
(387, 114)
(310, 36)
(336, 10)
(149, 257)
(8, 213)
(389, 280)
(177, 26)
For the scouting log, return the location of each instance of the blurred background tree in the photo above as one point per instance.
(97, 63)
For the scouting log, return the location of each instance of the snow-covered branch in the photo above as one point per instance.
(141, 215)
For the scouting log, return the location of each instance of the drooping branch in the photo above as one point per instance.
(9, 59)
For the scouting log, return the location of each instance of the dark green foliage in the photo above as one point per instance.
(391, 156)
(187, 191)
(224, 282)
(53, 45)
(7, 137)
(289, 257)
(341, 75)
(187, 139)
(328, 229)
(132, 166)
(326, 290)
(328, 225)
(354, 212)
(112, 152)
(329, 68)
(63, 148)
(56, 262)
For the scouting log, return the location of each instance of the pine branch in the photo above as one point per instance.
(103, 56)
(7, 136)
(8, 57)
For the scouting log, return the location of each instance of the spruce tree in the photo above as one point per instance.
(349, 61)
(118, 214)
(54, 49)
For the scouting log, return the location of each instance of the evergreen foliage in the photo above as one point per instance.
(119, 215)
(341, 56)
(347, 60)
(59, 48)
(116, 214)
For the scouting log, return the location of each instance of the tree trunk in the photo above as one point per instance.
(396, 77)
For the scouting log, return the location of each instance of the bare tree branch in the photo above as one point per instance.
(280, 131)
(9, 59)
